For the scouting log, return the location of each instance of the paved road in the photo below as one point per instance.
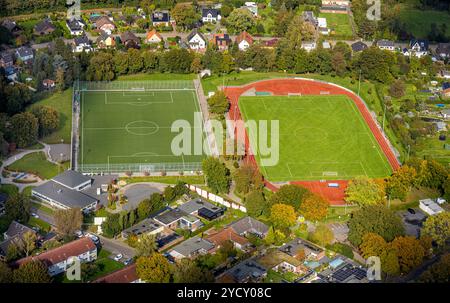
(43, 216)
(116, 246)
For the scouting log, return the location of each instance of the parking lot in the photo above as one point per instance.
(340, 231)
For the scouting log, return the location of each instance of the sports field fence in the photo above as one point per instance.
(136, 85)
(140, 167)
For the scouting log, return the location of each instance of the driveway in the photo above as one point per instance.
(340, 231)
(117, 247)
(135, 193)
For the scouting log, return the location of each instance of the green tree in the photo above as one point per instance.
(217, 175)
(375, 219)
(323, 235)
(188, 271)
(364, 191)
(240, 20)
(247, 178)
(218, 103)
(400, 183)
(24, 129)
(255, 203)
(34, 271)
(145, 245)
(68, 221)
(438, 228)
(289, 194)
(101, 67)
(48, 119)
(153, 269)
(17, 208)
(144, 208)
(184, 15)
(5, 273)
(397, 89)
(282, 216)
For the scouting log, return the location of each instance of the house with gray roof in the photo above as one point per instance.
(174, 218)
(14, 233)
(191, 248)
(358, 46)
(44, 27)
(24, 54)
(386, 45)
(6, 60)
(249, 225)
(244, 272)
(210, 15)
(66, 191)
(202, 208)
(147, 227)
(299, 247)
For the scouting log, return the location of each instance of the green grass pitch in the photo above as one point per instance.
(320, 138)
(134, 127)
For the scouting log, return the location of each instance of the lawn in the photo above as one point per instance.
(62, 102)
(131, 130)
(339, 25)
(320, 137)
(36, 163)
(42, 207)
(418, 22)
(42, 225)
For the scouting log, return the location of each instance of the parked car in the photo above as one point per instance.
(118, 257)
(94, 238)
(128, 261)
(34, 215)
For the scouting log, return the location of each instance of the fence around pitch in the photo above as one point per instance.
(140, 167)
(136, 85)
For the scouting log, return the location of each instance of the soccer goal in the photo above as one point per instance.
(330, 173)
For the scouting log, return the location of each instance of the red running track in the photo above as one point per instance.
(309, 87)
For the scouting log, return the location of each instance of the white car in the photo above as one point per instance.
(34, 215)
(118, 257)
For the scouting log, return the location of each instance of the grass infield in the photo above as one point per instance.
(134, 127)
(320, 138)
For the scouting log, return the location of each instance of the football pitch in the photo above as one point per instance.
(130, 130)
(320, 138)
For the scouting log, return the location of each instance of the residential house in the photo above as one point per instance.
(201, 208)
(250, 226)
(44, 27)
(59, 259)
(48, 83)
(244, 272)
(153, 37)
(244, 40)
(11, 73)
(191, 248)
(219, 238)
(13, 234)
(161, 18)
(309, 45)
(386, 45)
(24, 54)
(130, 40)
(308, 16)
(322, 26)
(443, 50)
(104, 24)
(6, 59)
(176, 218)
(252, 7)
(221, 41)
(210, 15)
(75, 26)
(342, 270)
(279, 261)
(445, 90)
(418, 48)
(10, 25)
(81, 44)
(145, 227)
(335, 6)
(67, 190)
(124, 275)
(196, 40)
(302, 249)
(430, 207)
(105, 41)
(358, 46)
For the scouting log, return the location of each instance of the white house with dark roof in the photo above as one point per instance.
(210, 15)
(196, 41)
(81, 44)
(75, 26)
(66, 191)
(160, 18)
(24, 54)
(386, 45)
